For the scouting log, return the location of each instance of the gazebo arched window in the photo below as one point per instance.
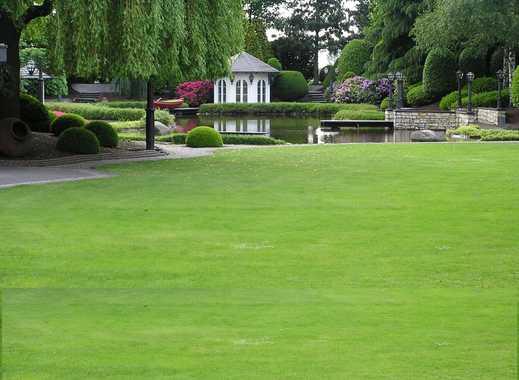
(222, 91)
(242, 92)
(262, 91)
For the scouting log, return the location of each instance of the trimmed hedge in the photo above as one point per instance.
(176, 138)
(475, 131)
(353, 57)
(487, 99)
(500, 135)
(439, 73)
(416, 96)
(515, 88)
(125, 104)
(34, 113)
(359, 115)
(204, 137)
(250, 140)
(78, 140)
(467, 130)
(479, 85)
(289, 85)
(274, 62)
(102, 112)
(280, 108)
(67, 121)
(104, 132)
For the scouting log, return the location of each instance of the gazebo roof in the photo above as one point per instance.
(246, 63)
(25, 73)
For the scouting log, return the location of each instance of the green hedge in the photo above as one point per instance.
(34, 114)
(67, 121)
(104, 132)
(204, 137)
(78, 140)
(487, 99)
(500, 135)
(485, 84)
(467, 130)
(281, 108)
(250, 140)
(359, 115)
(475, 131)
(439, 73)
(125, 104)
(416, 96)
(102, 112)
(515, 88)
(353, 57)
(289, 85)
(274, 62)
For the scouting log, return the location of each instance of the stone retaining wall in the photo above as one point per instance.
(492, 116)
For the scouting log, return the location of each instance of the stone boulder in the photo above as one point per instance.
(162, 129)
(427, 135)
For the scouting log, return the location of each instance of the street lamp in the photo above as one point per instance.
(3, 54)
(251, 78)
(500, 78)
(391, 77)
(400, 83)
(470, 78)
(31, 67)
(459, 77)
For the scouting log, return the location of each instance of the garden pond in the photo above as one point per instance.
(295, 130)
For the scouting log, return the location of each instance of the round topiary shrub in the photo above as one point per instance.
(417, 97)
(104, 132)
(274, 62)
(473, 59)
(34, 113)
(439, 73)
(354, 57)
(290, 85)
(204, 137)
(78, 140)
(64, 122)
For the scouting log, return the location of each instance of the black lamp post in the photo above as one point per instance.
(31, 67)
(400, 84)
(391, 78)
(3, 54)
(459, 77)
(500, 78)
(470, 78)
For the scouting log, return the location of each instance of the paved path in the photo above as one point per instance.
(12, 176)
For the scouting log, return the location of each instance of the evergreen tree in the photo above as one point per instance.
(256, 42)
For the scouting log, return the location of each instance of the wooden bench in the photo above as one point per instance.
(357, 124)
(87, 98)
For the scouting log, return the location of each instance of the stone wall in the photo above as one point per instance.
(465, 118)
(409, 118)
(492, 116)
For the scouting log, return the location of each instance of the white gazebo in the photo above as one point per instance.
(249, 82)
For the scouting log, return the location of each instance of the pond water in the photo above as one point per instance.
(295, 130)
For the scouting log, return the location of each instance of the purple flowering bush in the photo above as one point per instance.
(361, 90)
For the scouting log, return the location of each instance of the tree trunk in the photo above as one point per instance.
(150, 118)
(316, 59)
(9, 95)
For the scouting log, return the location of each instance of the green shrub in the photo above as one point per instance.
(473, 59)
(64, 122)
(500, 135)
(34, 113)
(479, 85)
(250, 140)
(125, 104)
(359, 115)
(487, 99)
(104, 132)
(384, 105)
(290, 85)
(330, 78)
(466, 130)
(176, 138)
(134, 136)
(78, 140)
(280, 108)
(102, 112)
(204, 137)
(274, 62)
(439, 73)
(346, 75)
(515, 88)
(417, 97)
(354, 57)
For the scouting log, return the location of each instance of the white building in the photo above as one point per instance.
(249, 82)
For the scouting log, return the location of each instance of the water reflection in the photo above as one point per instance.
(293, 129)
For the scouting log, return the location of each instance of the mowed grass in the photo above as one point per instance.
(258, 334)
(329, 262)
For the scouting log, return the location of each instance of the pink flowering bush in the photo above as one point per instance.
(196, 93)
(361, 90)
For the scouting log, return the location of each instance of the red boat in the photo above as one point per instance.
(168, 104)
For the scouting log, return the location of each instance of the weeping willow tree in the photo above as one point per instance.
(137, 39)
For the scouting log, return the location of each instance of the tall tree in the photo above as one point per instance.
(295, 53)
(138, 39)
(360, 17)
(265, 10)
(326, 22)
(256, 41)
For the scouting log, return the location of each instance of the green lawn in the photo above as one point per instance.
(330, 262)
